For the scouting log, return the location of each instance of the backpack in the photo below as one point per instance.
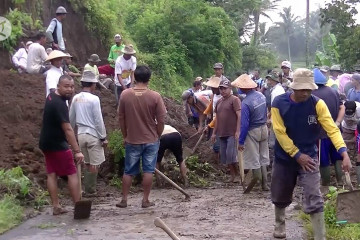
(54, 34)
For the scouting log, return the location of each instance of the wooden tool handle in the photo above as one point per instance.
(160, 224)
(172, 183)
(241, 166)
(348, 181)
(78, 166)
(198, 142)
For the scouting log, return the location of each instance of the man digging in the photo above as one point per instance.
(253, 139)
(85, 114)
(227, 127)
(297, 118)
(55, 137)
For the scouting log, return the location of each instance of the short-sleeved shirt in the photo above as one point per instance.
(52, 136)
(94, 69)
(141, 109)
(124, 68)
(353, 95)
(36, 57)
(52, 78)
(225, 110)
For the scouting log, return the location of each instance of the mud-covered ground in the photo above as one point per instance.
(221, 212)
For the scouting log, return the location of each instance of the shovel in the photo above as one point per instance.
(83, 206)
(241, 168)
(348, 204)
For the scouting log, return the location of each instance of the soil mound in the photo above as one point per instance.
(22, 98)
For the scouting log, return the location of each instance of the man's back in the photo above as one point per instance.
(36, 56)
(141, 109)
(331, 98)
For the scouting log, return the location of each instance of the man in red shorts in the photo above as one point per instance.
(55, 137)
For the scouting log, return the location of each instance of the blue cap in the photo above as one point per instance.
(319, 78)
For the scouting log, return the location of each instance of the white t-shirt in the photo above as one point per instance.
(276, 91)
(20, 58)
(124, 68)
(52, 78)
(85, 113)
(168, 129)
(350, 122)
(215, 100)
(36, 57)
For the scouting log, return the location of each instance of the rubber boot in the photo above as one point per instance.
(90, 182)
(339, 173)
(256, 178)
(318, 224)
(264, 183)
(280, 230)
(358, 173)
(325, 176)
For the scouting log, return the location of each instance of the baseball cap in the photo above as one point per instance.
(117, 37)
(218, 65)
(225, 83)
(274, 76)
(286, 64)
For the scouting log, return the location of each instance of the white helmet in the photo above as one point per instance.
(61, 10)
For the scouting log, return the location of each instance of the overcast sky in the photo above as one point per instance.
(298, 7)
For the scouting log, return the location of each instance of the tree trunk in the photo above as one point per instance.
(307, 32)
(288, 43)
(256, 21)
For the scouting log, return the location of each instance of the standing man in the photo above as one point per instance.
(191, 113)
(273, 82)
(257, 79)
(55, 71)
(253, 139)
(55, 137)
(54, 31)
(333, 81)
(141, 116)
(297, 119)
(85, 114)
(115, 52)
(104, 81)
(227, 127)
(171, 139)
(19, 59)
(354, 92)
(287, 74)
(327, 151)
(125, 66)
(37, 55)
(219, 71)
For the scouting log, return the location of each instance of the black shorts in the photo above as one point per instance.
(173, 142)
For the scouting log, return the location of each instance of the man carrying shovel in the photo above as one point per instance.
(85, 114)
(297, 119)
(253, 141)
(55, 137)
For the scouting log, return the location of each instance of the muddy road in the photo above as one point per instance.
(215, 213)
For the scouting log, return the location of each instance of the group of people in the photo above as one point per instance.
(305, 116)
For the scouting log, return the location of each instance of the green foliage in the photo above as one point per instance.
(199, 173)
(334, 231)
(10, 213)
(20, 23)
(15, 182)
(116, 182)
(258, 57)
(116, 145)
(329, 54)
(16, 2)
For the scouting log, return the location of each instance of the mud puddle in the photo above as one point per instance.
(221, 213)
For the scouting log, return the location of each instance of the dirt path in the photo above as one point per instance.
(221, 213)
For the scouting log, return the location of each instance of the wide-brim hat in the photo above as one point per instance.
(244, 81)
(303, 79)
(89, 76)
(198, 79)
(128, 49)
(336, 68)
(274, 76)
(213, 82)
(94, 58)
(218, 66)
(56, 54)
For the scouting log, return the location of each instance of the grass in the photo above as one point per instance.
(334, 231)
(10, 213)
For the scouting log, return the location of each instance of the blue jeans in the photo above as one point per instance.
(147, 152)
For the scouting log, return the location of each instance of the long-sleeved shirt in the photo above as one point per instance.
(20, 58)
(85, 113)
(297, 127)
(253, 113)
(59, 33)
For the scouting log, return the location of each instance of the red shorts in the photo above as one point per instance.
(60, 162)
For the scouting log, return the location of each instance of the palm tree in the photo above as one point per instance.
(287, 25)
(260, 9)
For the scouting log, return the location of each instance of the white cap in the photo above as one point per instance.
(286, 64)
(61, 9)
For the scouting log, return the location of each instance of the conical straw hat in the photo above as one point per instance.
(244, 81)
(213, 82)
(56, 54)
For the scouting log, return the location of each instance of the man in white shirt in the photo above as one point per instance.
(55, 71)
(19, 59)
(125, 66)
(85, 114)
(37, 55)
(54, 31)
(273, 82)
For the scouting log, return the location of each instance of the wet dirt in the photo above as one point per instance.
(214, 213)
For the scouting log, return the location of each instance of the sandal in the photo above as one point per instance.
(59, 211)
(147, 204)
(122, 204)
